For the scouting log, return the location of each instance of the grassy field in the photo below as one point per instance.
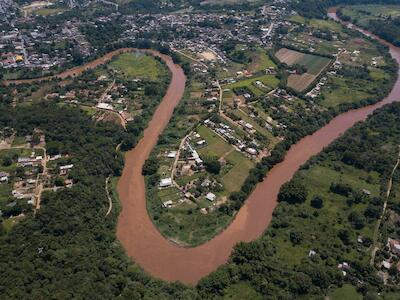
(364, 13)
(235, 177)
(241, 291)
(137, 66)
(346, 292)
(269, 80)
(340, 91)
(317, 23)
(317, 181)
(48, 11)
(260, 61)
(216, 146)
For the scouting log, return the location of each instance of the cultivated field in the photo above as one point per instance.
(300, 82)
(313, 63)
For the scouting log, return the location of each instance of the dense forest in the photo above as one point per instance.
(69, 249)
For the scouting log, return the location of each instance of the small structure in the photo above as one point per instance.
(251, 151)
(171, 154)
(386, 264)
(4, 177)
(211, 197)
(65, 169)
(168, 204)
(166, 182)
(394, 246)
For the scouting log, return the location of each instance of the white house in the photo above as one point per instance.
(211, 197)
(4, 176)
(166, 182)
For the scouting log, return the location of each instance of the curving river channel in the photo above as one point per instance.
(137, 233)
(163, 259)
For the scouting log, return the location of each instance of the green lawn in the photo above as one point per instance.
(270, 82)
(241, 291)
(261, 61)
(137, 66)
(236, 176)
(317, 23)
(346, 292)
(340, 91)
(48, 11)
(216, 146)
(256, 126)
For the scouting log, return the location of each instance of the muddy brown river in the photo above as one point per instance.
(163, 259)
(138, 235)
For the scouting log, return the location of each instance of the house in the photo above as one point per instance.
(168, 204)
(166, 182)
(171, 154)
(366, 192)
(65, 169)
(4, 177)
(394, 246)
(251, 151)
(386, 264)
(211, 197)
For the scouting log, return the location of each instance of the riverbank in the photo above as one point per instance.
(165, 260)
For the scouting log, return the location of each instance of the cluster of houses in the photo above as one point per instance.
(315, 92)
(31, 48)
(188, 163)
(30, 173)
(228, 134)
(391, 260)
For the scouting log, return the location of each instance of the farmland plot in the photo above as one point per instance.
(314, 64)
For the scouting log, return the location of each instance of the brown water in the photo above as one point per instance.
(140, 237)
(163, 259)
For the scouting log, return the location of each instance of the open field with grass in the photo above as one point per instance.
(342, 91)
(137, 65)
(216, 146)
(317, 181)
(317, 23)
(260, 61)
(346, 292)
(269, 80)
(227, 2)
(365, 13)
(235, 177)
(48, 11)
(241, 291)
